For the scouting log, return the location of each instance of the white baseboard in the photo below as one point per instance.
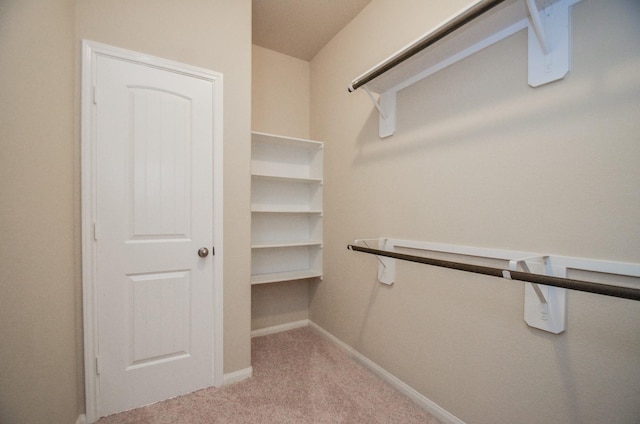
(433, 408)
(280, 328)
(82, 419)
(237, 376)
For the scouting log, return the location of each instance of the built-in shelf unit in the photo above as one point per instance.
(286, 208)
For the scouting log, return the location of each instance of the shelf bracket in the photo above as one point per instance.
(386, 265)
(386, 105)
(549, 41)
(538, 26)
(375, 102)
(544, 306)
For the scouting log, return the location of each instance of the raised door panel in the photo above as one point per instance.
(161, 163)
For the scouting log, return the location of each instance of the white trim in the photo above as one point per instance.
(90, 51)
(218, 230)
(430, 406)
(279, 328)
(88, 247)
(238, 376)
(82, 419)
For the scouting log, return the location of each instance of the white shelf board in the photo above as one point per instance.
(264, 210)
(286, 141)
(284, 276)
(286, 178)
(293, 243)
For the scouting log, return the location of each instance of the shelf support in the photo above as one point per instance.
(544, 306)
(549, 42)
(375, 102)
(386, 265)
(386, 105)
(538, 26)
(513, 266)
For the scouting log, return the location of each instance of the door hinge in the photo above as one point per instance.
(95, 232)
(97, 365)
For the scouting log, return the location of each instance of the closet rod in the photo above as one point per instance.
(547, 280)
(468, 15)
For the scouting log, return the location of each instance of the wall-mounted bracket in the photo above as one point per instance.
(388, 120)
(386, 105)
(544, 306)
(386, 266)
(538, 26)
(549, 42)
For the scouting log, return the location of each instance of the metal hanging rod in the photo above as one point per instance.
(585, 286)
(468, 15)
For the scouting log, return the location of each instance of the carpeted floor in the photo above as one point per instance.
(298, 377)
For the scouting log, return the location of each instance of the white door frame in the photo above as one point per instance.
(90, 51)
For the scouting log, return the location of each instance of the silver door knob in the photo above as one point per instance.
(203, 252)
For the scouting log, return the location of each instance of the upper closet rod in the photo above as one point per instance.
(473, 12)
(585, 286)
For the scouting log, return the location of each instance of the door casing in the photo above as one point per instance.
(90, 51)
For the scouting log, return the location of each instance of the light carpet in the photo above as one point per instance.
(298, 377)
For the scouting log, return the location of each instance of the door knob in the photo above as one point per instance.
(203, 252)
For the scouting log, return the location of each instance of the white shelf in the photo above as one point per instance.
(286, 179)
(259, 209)
(283, 211)
(286, 157)
(286, 206)
(284, 276)
(286, 244)
(281, 140)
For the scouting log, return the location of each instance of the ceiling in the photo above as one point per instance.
(300, 28)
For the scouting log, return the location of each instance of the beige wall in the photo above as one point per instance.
(482, 159)
(279, 93)
(41, 363)
(279, 105)
(39, 310)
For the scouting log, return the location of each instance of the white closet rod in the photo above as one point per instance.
(474, 11)
(548, 280)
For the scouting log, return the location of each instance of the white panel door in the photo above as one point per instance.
(154, 211)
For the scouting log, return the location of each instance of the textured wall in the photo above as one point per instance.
(279, 93)
(39, 311)
(482, 159)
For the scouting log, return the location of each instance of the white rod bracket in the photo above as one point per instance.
(544, 306)
(386, 105)
(386, 266)
(513, 266)
(375, 102)
(538, 26)
(387, 114)
(549, 42)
